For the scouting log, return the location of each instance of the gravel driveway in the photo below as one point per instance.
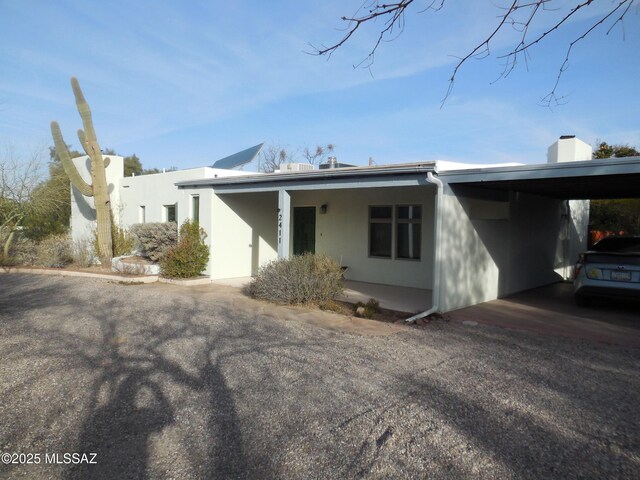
(171, 382)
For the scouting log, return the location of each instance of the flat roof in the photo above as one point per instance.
(405, 174)
(587, 179)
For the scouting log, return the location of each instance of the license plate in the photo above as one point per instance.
(621, 276)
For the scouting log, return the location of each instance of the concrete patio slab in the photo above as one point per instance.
(550, 311)
(401, 299)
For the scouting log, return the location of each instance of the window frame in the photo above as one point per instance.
(407, 221)
(383, 221)
(195, 212)
(175, 212)
(395, 221)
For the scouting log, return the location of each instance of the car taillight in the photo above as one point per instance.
(578, 269)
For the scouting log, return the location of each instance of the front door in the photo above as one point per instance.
(304, 230)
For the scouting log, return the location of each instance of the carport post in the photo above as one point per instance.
(284, 223)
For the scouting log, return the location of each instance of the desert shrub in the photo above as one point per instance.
(23, 251)
(302, 279)
(54, 251)
(367, 310)
(189, 258)
(122, 241)
(83, 253)
(154, 240)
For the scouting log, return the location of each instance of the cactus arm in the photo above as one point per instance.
(107, 162)
(67, 164)
(83, 140)
(85, 113)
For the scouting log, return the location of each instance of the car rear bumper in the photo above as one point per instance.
(605, 291)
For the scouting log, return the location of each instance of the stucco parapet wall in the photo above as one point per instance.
(73, 273)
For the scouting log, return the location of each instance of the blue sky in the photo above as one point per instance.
(184, 83)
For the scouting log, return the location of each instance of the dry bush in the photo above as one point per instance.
(154, 240)
(83, 253)
(303, 279)
(54, 251)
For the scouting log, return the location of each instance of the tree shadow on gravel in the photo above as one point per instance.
(138, 370)
(542, 408)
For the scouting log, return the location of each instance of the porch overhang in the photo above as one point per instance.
(343, 178)
(591, 179)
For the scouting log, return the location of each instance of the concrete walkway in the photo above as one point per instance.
(551, 311)
(400, 299)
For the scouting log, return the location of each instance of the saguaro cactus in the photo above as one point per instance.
(98, 188)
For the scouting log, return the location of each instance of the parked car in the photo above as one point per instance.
(611, 268)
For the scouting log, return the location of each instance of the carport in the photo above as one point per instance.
(550, 309)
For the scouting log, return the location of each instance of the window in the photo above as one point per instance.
(380, 231)
(142, 214)
(195, 208)
(397, 230)
(408, 227)
(171, 213)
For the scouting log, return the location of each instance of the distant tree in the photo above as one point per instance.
(22, 195)
(533, 21)
(132, 166)
(605, 150)
(319, 154)
(615, 215)
(272, 157)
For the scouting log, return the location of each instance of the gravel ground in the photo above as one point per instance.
(171, 382)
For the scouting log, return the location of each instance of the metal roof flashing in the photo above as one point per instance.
(327, 175)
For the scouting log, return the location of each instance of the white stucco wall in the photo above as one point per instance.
(83, 213)
(485, 258)
(343, 232)
(158, 190)
(244, 233)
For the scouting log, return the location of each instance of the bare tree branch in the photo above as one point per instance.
(522, 16)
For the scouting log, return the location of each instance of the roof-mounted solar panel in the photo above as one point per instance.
(238, 159)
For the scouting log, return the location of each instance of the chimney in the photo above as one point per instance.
(569, 149)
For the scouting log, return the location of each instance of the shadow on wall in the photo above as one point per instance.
(259, 211)
(85, 204)
(497, 243)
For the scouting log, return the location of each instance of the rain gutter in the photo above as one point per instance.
(435, 292)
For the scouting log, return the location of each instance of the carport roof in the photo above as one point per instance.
(590, 179)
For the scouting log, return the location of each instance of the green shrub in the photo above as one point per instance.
(54, 251)
(302, 279)
(154, 240)
(189, 258)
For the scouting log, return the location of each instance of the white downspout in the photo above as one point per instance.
(435, 292)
